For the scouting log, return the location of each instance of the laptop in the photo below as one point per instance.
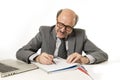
(10, 67)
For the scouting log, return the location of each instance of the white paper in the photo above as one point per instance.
(60, 65)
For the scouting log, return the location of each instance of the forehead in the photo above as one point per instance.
(67, 17)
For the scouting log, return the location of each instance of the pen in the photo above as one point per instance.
(53, 61)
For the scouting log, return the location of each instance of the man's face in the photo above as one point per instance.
(64, 25)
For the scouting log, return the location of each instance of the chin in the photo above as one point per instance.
(60, 35)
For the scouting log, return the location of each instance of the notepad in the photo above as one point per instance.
(60, 65)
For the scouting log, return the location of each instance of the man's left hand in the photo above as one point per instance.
(77, 58)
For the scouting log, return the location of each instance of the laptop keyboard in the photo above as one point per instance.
(5, 68)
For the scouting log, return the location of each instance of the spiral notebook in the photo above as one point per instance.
(10, 67)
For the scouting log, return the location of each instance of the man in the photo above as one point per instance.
(62, 40)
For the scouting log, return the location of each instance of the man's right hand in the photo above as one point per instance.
(44, 58)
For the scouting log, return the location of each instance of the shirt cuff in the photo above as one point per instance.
(91, 58)
(31, 58)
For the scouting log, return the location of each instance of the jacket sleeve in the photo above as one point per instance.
(91, 49)
(31, 48)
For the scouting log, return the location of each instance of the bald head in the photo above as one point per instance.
(67, 16)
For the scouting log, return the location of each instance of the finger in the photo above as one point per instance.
(70, 58)
(42, 59)
(46, 61)
(49, 57)
(75, 60)
(85, 60)
(52, 57)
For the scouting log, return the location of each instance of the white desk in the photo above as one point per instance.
(104, 71)
(38, 74)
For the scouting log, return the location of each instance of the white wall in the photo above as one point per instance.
(20, 21)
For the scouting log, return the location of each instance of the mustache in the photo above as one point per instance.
(62, 32)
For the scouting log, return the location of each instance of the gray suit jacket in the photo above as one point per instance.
(46, 40)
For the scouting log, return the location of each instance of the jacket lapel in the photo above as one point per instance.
(71, 43)
(52, 41)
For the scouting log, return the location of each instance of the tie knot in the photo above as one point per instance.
(62, 39)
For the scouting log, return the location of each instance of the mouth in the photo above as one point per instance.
(61, 34)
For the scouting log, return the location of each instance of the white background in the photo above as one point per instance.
(21, 19)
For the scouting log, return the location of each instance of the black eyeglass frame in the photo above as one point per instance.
(67, 27)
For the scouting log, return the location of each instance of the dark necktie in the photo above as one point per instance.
(62, 52)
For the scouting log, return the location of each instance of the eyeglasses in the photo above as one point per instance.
(67, 27)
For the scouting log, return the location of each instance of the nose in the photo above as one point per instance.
(63, 29)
